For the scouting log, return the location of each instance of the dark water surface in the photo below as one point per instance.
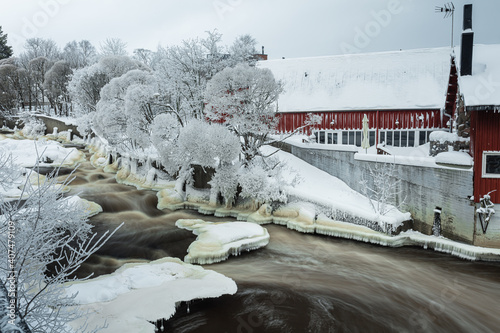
(299, 282)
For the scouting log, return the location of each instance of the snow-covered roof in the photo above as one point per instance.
(413, 79)
(483, 86)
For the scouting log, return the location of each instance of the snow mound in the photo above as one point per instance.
(455, 158)
(217, 241)
(51, 153)
(154, 289)
(90, 208)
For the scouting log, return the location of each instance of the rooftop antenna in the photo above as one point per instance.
(449, 10)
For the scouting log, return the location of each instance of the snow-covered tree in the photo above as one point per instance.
(44, 239)
(244, 99)
(208, 145)
(184, 70)
(5, 50)
(79, 54)
(164, 133)
(39, 47)
(56, 86)
(113, 47)
(86, 83)
(243, 50)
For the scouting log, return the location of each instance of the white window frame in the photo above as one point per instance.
(483, 171)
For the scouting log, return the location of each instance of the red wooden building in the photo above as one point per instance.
(481, 91)
(405, 94)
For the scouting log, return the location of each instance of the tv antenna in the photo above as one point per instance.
(449, 10)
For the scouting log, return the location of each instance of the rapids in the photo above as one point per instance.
(299, 282)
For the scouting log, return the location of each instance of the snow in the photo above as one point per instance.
(455, 158)
(386, 80)
(319, 187)
(216, 241)
(25, 153)
(443, 136)
(482, 87)
(137, 293)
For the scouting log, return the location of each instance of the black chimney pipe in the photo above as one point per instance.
(467, 42)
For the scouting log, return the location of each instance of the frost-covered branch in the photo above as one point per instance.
(44, 238)
(381, 186)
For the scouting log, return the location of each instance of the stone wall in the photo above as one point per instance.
(423, 188)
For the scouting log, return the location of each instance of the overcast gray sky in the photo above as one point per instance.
(287, 28)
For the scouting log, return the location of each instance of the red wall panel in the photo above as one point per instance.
(485, 136)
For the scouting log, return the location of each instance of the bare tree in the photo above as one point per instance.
(382, 187)
(113, 46)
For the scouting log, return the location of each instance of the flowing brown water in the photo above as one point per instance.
(300, 282)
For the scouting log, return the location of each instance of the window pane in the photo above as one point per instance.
(372, 138)
(421, 139)
(382, 137)
(351, 138)
(335, 138)
(411, 139)
(428, 134)
(358, 138)
(396, 138)
(404, 139)
(345, 141)
(389, 138)
(316, 137)
(493, 164)
(321, 137)
(330, 138)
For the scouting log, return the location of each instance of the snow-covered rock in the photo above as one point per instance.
(217, 241)
(138, 293)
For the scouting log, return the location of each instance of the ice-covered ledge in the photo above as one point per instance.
(217, 241)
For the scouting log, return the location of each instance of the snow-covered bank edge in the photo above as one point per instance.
(155, 289)
(305, 223)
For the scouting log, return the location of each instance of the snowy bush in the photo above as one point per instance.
(33, 127)
(263, 183)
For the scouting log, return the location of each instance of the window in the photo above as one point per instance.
(421, 138)
(404, 139)
(381, 137)
(396, 138)
(330, 138)
(321, 137)
(411, 139)
(358, 138)
(372, 138)
(335, 138)
(316, 136)
(389, 139)
(345, 140)
(351, 138)
(491, 164)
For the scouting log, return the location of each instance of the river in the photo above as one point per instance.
(299, 282)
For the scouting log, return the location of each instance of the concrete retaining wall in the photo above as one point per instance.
(424, 188)
(50, 123)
